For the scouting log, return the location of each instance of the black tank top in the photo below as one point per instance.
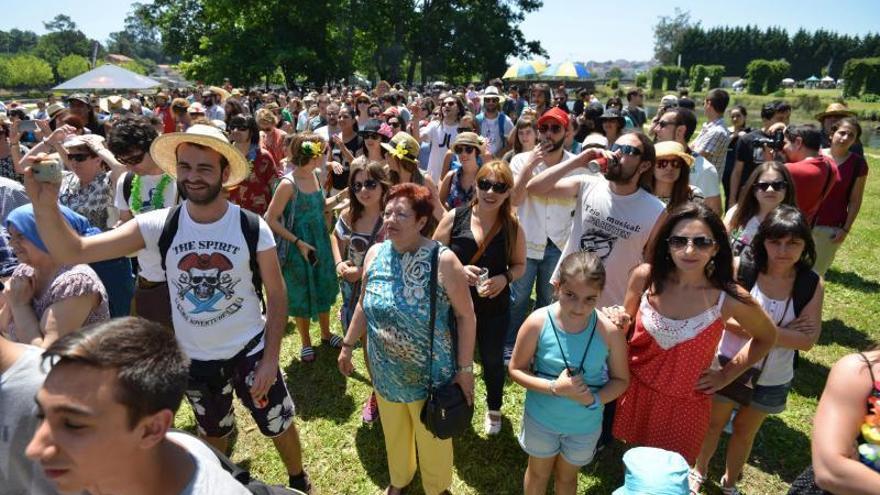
(494, 257)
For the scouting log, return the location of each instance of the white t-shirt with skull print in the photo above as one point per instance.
(615, 228)
(214, 306)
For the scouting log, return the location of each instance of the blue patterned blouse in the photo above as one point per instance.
(397, 308)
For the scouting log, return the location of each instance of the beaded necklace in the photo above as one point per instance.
(158, 199)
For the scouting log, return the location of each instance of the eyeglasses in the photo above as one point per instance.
(486, 184)
(555, 128)
(372, 135)
(626, 149)
(661, 164)
(700, 243)
(663, 123)
(79, 157)
(777, 185)
(463, 148)
(368, 184)
(373, 114)
(131, 159)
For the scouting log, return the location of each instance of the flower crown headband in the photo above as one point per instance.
(401, 151)
(312, 149)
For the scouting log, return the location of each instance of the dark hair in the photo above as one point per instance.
(648, 153)
(782, 106)
(152, 370)
(132, 132)
(851, 121)
(377, 172)
(242, 120)
(719, 99)
(614, 101)
(233, 107)
(523, 123)
(747, 205)
(662, 266)
(784, 221)
(768, 110)
(419, 198)
(584, 265)
(810, 135)
(741, 109)
(681, 189)
(632, 93)
(687, 118)
(544, 88)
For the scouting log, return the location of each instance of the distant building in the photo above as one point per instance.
(117, 59)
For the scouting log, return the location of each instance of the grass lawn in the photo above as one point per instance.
(345, 456)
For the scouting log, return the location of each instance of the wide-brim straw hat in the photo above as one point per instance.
(469, 139)
(835, 110)
(114, 103)
(403, 146)
(668, 149)
(164, 151)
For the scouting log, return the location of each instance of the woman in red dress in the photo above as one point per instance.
(679, 302)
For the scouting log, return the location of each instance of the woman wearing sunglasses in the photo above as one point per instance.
(670, 182)
(678, 303)
(358, 228)
(255, 192)
(372, 135)
(770, 186)
(489, 241)
(457, 188)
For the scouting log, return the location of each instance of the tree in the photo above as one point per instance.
(71, 66)
(62, 39)
(60, 24)
(138, 40)
(668, 33)
(614, 73)
(22, 71)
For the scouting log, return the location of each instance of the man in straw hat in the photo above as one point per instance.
(215, 282)
(832, 114)
(494, 125)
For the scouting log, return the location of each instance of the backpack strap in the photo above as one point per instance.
(126, 186)
(250, 227)
(169, 230)
(805, 284)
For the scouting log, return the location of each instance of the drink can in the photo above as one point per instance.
(598, 166)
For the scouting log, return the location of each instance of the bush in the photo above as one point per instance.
(25, 71)
(779, 93)
(614, 83)
(765, 76)
(870, 98)
(861, 74)
(71, 66)
(642, 81)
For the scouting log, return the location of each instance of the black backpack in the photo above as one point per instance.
(250, 227)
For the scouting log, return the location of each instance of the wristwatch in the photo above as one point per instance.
(466, 369)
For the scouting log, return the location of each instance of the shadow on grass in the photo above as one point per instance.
(838, 332)
(809, 378)
(853, 281)
(318, 389)
(487, 464)
(370, 444)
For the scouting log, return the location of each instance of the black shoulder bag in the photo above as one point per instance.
(446, 412)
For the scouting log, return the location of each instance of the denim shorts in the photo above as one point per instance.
(767, 399)
(542, 442)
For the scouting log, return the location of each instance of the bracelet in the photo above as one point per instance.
(553, 388)
(466, 369)
(296, 241)
(347, 345)
(509, 277)
(339, 263)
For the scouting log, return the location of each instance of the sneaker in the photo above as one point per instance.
(492, 423)
(370, 412)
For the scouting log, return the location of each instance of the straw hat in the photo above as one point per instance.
(114, 103)
(468, 139)
(164, 151)
(492, 92)
(53, 109)
(403, 146)
(835, 110)
(668, 149)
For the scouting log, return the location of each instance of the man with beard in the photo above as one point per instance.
(494, 125)
(213, 110)
(80, 107)
(215, 273)
(546, 221)
(440, 133)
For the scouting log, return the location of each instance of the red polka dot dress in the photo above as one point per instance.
(662, 408)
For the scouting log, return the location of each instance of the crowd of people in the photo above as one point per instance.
(676, 276)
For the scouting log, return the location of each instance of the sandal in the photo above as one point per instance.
(695, 481)
(727, 490)
(335, 341)
(307, 354)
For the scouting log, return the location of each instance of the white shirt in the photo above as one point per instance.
(615, 228)
(441, 137)
(215, 112)
(490, 130)
(543, 217)
(705, 176)
(214, 306)
(149, 262)
(209, 477)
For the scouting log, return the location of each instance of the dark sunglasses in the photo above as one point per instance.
(373, 114)
(777, 185)
(486, 184)
(555, 128)
(372, 135)
(680, 242)
(661, 164)
(463, 148)
(463, 129)
(448, 103)
(626, 149)
(131, 159)
(79, 157)
(663, 123)
(395, 124)
(368, 184)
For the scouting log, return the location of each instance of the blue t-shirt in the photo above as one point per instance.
(562, 414)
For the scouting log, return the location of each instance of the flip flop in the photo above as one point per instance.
(307, 354)
(335, 341)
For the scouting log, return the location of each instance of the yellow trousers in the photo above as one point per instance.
(404, 435)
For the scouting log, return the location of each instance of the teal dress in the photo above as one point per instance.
(310, 289)
(397, 308)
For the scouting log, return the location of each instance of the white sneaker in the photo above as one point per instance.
(492, 423)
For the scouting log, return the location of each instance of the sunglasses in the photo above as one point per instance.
(368, 184)
(448, 103)
(661, 164)
(701, 243)
(372, 135)
(663, 123)
(626, 149)
(463, 148)
(777, 185)
(131, 159)
(498, 187)
(79, 157)
(373, 114)
(555, 128)
(394, 124)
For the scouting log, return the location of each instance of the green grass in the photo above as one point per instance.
(345, 456)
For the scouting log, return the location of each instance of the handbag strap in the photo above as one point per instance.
(432, 290)
(592, 327)
(488, 239)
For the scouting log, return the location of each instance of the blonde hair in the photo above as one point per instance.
(584, 266)
(265, 116)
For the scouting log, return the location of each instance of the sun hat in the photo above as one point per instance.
(652, 471)
(835, 110)
(492, 92)
(94, 142)
(403, 146)
(613, 114)
(195, 107)
(669, 101)
(114, 103)
(377, 126)
(53, 110)
(468, 139)
(673, 149)
(556, 114)
(179, 104)
(595, 140)
(80, 97)
(164, 151)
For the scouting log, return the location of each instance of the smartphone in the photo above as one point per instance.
(48, 171)
(27, 126)
(313, 260)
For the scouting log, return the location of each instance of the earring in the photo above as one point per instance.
(710, 268)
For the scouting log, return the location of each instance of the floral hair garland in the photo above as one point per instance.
(401, 152)
(312, 149)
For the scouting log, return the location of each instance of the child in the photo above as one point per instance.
(306, 261)
(579, 364)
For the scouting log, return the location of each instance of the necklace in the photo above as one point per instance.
(158, 199)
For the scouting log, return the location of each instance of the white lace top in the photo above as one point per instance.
(668, 332)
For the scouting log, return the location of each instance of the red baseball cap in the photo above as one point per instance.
(556, 114)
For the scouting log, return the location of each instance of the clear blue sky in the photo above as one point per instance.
(568, 29)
